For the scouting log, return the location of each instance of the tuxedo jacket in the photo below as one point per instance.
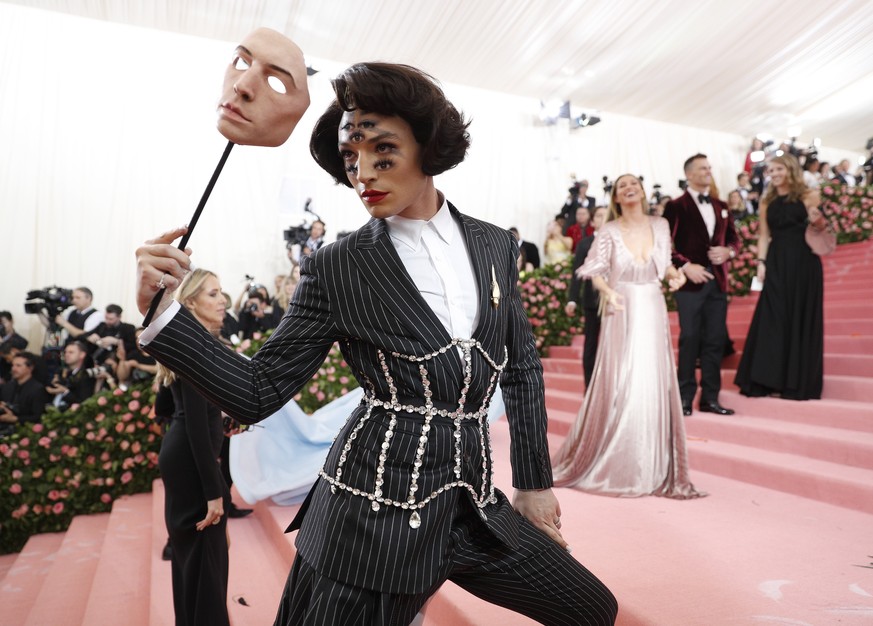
(357, 292)
(691, 240)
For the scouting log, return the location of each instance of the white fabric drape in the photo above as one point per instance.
(107, 138)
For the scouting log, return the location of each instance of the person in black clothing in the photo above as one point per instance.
(196, 495)
(529, 253)
(75, 383)
(587, 297)
(82, 318)
(110, 333)
(257, 317)
(22, 399)
(8, 338)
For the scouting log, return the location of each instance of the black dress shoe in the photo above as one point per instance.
(686, 409)
(237, 512)
(715, 407)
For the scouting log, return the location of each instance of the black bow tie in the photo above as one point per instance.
(701, 199)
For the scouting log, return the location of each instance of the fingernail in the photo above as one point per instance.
(191, 266)
(569, 549)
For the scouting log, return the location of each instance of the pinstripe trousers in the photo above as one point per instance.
(539, 579)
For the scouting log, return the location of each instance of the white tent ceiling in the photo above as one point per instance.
(740, 66)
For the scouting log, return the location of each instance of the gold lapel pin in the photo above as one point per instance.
(495, 289)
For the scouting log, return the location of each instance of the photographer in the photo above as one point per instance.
(75, 383)
(315, 239)
(22, 399)
(82, 317)
(135, 366)
(256, 316)
(8, 337)
(110, 334)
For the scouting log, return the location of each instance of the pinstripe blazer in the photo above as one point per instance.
(357, 292)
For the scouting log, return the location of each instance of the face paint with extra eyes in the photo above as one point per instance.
(382, 160)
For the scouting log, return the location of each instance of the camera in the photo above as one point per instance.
(607, 185)
(95, 372)
(296, 235)
(52, 301)
(252, 308)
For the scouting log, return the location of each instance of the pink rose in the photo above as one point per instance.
(37, 428)
(54, 494)
(102, 401)
(15, 488)
(37, 473)
(136, 394)
(105, 498)
(126, 477)
(133, 405)
(16, 474)
(24, 442)
(58, 508)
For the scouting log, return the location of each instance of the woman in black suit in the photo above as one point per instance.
(196, 495)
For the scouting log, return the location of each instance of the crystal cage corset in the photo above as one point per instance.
(413, 502)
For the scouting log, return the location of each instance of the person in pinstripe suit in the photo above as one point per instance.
(424, 305)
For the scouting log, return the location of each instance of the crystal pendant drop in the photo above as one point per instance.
(375, 506)
(414, 520)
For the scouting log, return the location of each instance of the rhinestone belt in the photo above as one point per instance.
(428, 411)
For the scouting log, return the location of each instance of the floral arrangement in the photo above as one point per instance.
(333, 379)
(544, 295)
(849, 209)
(76, 462)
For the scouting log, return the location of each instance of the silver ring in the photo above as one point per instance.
(216, 520)
(161, 284)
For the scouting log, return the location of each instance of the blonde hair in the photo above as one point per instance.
(283, 298)
(190, 288)
(615, 207)
(796, 186)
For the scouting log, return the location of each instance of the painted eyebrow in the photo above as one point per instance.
(385, 135)
(272, 66)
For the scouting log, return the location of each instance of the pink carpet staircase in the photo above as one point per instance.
(785, 536)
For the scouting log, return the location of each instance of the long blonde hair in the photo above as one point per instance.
(615, 207)
(190, 288)
(796, 186)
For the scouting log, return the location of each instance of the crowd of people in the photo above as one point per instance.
(423, 301)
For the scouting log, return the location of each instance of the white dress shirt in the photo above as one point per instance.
(707, 211)
(435, 255)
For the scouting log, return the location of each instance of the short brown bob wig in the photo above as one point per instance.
(393, 90)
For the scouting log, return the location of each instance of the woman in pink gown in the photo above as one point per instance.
(629, 437)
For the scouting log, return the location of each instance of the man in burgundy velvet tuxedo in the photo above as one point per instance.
(704, 240)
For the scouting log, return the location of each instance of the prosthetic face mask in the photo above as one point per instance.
(265, 92)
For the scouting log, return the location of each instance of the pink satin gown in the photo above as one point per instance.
(629, 437)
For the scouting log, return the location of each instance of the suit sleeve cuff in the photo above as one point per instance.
(158, 323)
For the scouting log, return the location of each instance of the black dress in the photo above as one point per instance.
(192, 476)
(785, 345)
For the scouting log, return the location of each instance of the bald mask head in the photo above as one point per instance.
(265, 92)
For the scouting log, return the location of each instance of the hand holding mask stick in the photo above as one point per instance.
(264, 96)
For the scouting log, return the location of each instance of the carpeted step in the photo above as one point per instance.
(121, 589)
(161, 612)
(24, 580)
(64, 594)
(843, 414)
(258, 570)
(833, 483)
(6, 563)
(854, 388)
(835, 445)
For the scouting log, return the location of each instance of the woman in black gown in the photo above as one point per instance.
(784, 349)
(196, 495)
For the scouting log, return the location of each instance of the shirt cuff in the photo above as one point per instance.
(158, 323)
